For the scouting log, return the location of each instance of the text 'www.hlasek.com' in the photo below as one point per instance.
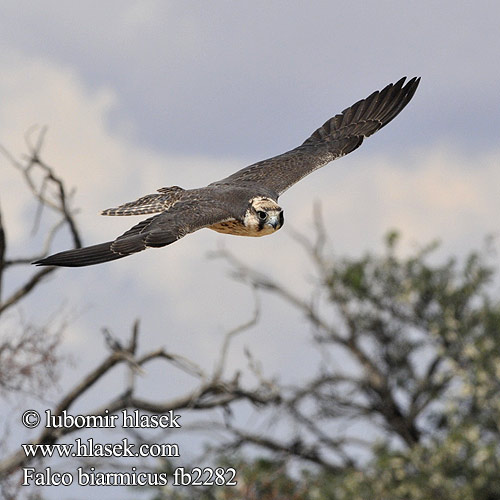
(89, 448)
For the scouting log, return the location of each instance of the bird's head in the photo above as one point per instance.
(263, 216)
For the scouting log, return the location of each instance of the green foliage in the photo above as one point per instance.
(406, 304)
(261, 479)
(426, 337)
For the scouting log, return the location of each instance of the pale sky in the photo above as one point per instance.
(140, 95)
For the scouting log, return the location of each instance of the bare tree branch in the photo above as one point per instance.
(346, 331)
(28, 359)
(25, 289)
(295, 447)
(232, 333)
(3, 244)
(212, 392)
(50, 192)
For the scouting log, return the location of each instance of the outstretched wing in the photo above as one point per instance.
(163, 229)
(337, 137)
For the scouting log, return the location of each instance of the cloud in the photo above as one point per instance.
(437, 191)
(107, 168)
(105, 165)
(140, 95)
(249, 79)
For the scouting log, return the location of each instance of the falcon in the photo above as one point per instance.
(246, 202)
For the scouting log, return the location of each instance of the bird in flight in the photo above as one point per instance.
(246, 202)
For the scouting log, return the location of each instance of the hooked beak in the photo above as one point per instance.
(276, 221)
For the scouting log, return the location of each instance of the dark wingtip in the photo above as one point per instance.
(412, 85)
(41, 262)
(392, 99)
(80, 257)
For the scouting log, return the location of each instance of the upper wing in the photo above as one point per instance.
(163, 229)
(337, 137)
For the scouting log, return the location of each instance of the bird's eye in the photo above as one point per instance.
(262, 215)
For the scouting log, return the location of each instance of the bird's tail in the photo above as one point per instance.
(88, 256)
(149, 204)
